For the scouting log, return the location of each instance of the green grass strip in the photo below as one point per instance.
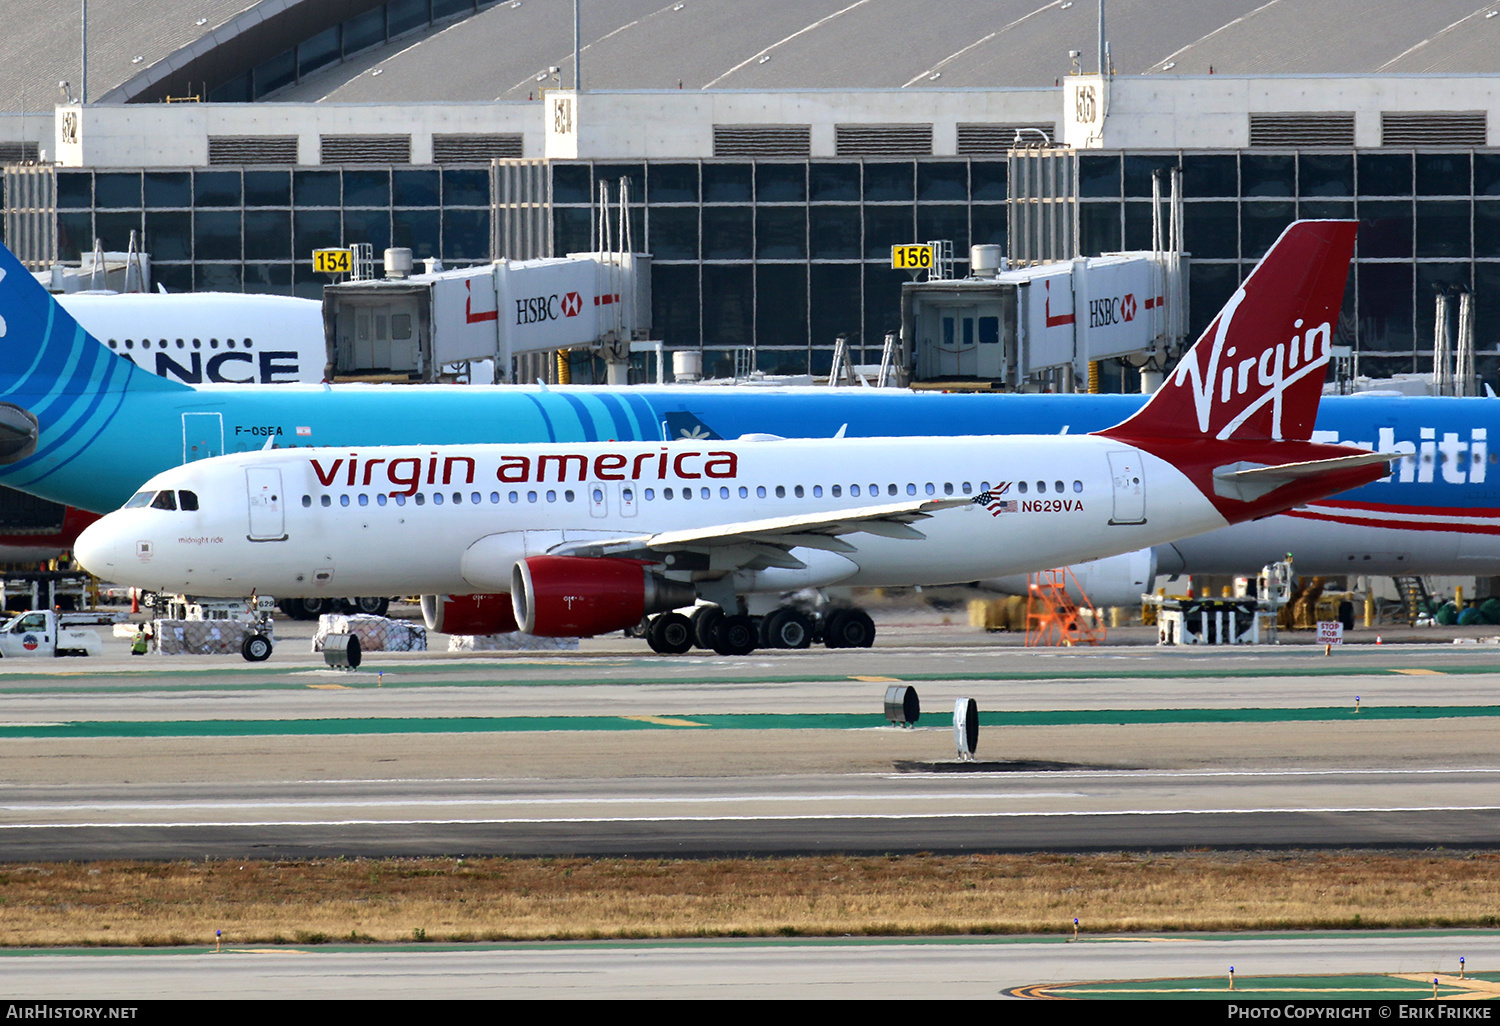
(713, 721)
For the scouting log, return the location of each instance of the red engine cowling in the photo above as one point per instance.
(580, 596)
(469, 614)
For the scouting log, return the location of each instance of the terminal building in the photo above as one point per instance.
(773, 158)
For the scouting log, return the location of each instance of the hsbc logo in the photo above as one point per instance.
(1115, 310)
(537, 309)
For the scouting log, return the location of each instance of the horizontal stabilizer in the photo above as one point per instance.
(1249, 481)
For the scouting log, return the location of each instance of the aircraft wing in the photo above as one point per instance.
(767, 542)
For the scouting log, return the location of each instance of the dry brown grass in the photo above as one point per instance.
(134, 903)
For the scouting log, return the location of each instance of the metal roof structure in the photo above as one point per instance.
(504, 49)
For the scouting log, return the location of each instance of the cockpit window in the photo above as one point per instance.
(188, 501)
(140, 499)
(164, 500)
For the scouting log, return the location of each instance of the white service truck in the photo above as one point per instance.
(44, 632)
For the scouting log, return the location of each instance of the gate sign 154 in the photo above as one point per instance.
(915, 257)
(332, 261)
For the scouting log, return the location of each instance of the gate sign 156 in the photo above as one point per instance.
(914, 257)
(332, 261)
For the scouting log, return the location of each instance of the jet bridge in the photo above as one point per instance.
(1041, 326)
(426, 327)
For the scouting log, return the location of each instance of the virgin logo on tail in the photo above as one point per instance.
(1258, 370)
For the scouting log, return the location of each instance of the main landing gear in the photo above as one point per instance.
(710, 627)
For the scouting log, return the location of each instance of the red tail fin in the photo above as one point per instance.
(1257, 372)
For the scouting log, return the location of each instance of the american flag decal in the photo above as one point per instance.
(992, 501)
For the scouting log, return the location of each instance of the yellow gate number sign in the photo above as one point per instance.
(332, 261)
(911, 258)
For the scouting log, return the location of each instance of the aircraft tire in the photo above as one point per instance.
(849, 628)
(786, 627)
(256, 649)
(736, 635)
(371, 605)
(292, 607)
(670, 634)
(312, 608)
(705, 622)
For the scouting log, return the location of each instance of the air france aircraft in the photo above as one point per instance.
(82, 426)
(591, 538)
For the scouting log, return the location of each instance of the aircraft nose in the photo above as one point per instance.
(98, 548)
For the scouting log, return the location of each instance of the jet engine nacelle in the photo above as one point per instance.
(579, 596)
(1116, 581)
(469, 614)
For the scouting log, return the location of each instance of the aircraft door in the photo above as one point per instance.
(1128, 483)
(202, 436)
(627, 500)
(267, 504)
(598, 500)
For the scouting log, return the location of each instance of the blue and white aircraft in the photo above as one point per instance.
(81, 426)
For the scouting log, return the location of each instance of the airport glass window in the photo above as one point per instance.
(886, 227)
(372, 226)
(268, 235)
(466, 235)
(236, 90)
(219, 277)
(1326, 209)
(448, 8)
(268, 188)
(75, 191)
(75, 230)
(945, 221)
(1267, 175)
(1385, 229)
(1442, 228)
(572, 183)
(320, 50)
(781, 183)
(1261, 224)
(888, 181)
(316, 188)
(416, 188)
(987, 180)
(726, 183)
(882, 304)
(164, 500)
(727, 233)
(117, 189)
(1207, 176)
(1209, 288)
(728, 306)
(835, 233)
(611, 174)
(343, 500)
(406, 15)
(217, 189)
(1430, 277)
(275, 73)
(1443, 174)
(364, 31)
(1385, 306)
(671, 183)
(781, 314)
(367, 188)
(1487, 174)
(1210, 230)
(673, 233)
(168, 189)
(942, 181)
(1487, 228)
(1325, 174)
(1099, 176)
(113, 228)
(781, 233)
(1139, 169)
(1383, 174)
(674, 304)
(1098, 228)
(421, 232)
(987, 226)
(833, 183)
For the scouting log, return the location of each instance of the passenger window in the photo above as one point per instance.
(911, 488)
(967, 489)
(781, 491)
(890, 489)
(687, 493)
(704, 493)
(400, 499)
(854, 490)
(515, 496)
(817, 491)
(760, 491)
(307, 502)
(1057, 486)
(650, 494)
(325, 501)
(551, 495)
(364, 500)
(931, 489)
(568, 495)
(797, 491)
(837, 491)
(437, 498)
(947, 487)
(1022, 487)
(531, 496)
(744, 492)
(494, 498)
(164, 500)
(666, 493)
(1078, 486)
(343, 500)
(723, 493)
(380, 498)
(188, 501)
